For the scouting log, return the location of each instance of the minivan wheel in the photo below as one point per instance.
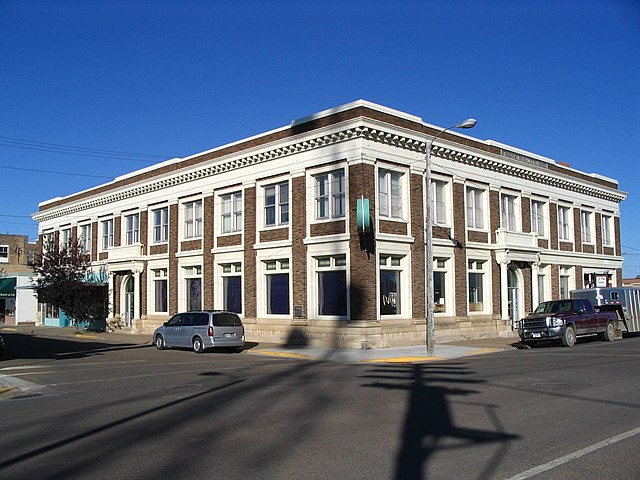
(198, 346)
(159, 342)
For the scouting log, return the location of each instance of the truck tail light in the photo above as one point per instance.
(210, 331)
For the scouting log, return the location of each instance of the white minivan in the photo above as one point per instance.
(201, 330)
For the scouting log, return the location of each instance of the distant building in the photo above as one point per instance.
(276, 227)
(631, 282)
(17, 301)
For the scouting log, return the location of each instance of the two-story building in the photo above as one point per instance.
(316, 231)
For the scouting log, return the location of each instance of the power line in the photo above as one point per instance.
(54, 172)
(79, 151)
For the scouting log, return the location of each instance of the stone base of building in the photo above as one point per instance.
(357, 334)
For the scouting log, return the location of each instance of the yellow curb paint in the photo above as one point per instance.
(484, 350)
(282, 354)
(4, 390)
(9, 329)
(84, 335)
(401, 359)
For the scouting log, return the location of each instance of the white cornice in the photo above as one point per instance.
(380, 135)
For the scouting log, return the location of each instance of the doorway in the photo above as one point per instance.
(513, 295)
(128, 297)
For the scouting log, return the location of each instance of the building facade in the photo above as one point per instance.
(315, 232)
(18, 305)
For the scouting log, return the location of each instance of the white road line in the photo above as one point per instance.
(577, 454)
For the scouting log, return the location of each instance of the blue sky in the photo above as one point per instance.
(162, 79)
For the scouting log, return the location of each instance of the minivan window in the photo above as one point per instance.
(199, 319)
(226, 320)
(175, 320)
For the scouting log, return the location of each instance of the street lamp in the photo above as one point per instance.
(431, 328)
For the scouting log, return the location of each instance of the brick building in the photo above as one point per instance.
(17, 302)
(268, 227)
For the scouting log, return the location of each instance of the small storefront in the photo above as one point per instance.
(8, 301)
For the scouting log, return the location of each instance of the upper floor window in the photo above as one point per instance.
(107, 233)
(65, 237)
(4, 253)
(329, 193)
(607, 222)
(85, 237)
(390, 193)
(585, 227)
(161, 225)
(508, 212)
(231, 212)
(439, 202)
(132, 228)
(276, 204)
(193, 219)
(538, 216)
(475, 208)
(564, 219)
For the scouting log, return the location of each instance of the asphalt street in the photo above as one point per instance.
(89, 409)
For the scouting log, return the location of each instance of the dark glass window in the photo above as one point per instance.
(278, 294)
(332, 293)
(389, 292)
(233, 294)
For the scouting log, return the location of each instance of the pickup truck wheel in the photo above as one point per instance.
(610, 333)
(569, 337)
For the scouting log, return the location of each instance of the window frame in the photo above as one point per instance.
(281, 209)
(334, 202)
(440, 210)
(606, 221)
(132, 228)
(160, 226)
(473, 268)
(86, 240)
(4, 257)
(509, 211)
(193, 219)
(159, 275)
(477, 207)
(272, 267)
(107, 235)
(333, 263)
(538, 217)
(386, 203)
(586, 227)
(564, 223)
(235, 214)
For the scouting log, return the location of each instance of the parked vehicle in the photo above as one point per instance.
(625, 301)
(565, 320)
(201, 330)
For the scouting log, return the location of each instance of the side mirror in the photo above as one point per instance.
(165, 324)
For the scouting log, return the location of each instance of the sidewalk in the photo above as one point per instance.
(417, 353)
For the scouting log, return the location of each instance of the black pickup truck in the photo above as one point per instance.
(566, 319)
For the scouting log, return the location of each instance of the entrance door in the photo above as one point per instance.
(128, 302)
(513, 286)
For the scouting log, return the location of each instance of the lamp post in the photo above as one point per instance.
(431, 328)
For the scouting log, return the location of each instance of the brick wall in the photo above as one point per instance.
(250, 286)
(299, 249)
(362, 263)
(418, 270)
(460, 256)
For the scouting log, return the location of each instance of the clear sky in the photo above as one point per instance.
(84, 85)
